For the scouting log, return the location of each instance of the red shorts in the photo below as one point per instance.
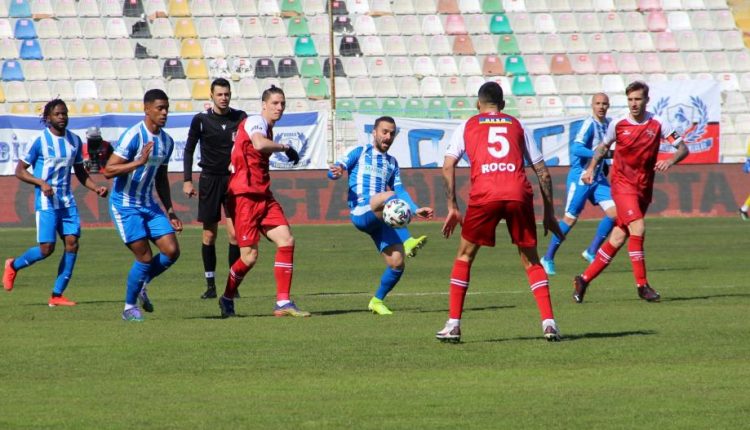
(481, 221)
(253, 215)
(630, 207)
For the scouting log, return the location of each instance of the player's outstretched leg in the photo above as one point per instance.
(236, 274)
(13, 265)
(233, 253)
(604, 256)
(602, 231)
(411, 244)
(459, 285)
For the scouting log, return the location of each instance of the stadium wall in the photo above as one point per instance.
(308, 197)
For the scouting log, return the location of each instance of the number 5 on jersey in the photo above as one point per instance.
(497, 144)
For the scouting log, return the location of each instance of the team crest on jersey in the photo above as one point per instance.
(689, 121)
(485, 120)
(296, 140)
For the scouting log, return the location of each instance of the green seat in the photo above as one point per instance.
(492, 6)
(317, 88)
(345, 108)
(437, 109)
(514, 65)
(522, 86)
(414, 108)
(462, 108)
(305, 47)
(369, 107)
(511, 106)
(292, 7)
(499, 24)
(310, 68)
(508, 45)
(393, 107)
(298, 27)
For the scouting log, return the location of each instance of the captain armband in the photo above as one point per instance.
(674, 139)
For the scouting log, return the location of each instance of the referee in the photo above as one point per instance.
(215, 129)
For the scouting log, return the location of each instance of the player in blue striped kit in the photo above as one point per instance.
(139, 164)
(598, 192)
(51, 156)
(374, 179)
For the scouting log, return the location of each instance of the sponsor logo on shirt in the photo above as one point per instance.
(494, 121)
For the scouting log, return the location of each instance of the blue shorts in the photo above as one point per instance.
(53, 222)
(381, 233)
(598, 193)
(136, 223)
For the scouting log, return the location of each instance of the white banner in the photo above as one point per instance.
(307, 132)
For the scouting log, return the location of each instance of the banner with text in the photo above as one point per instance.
(307, 132)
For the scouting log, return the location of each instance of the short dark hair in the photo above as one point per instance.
(273, 90)
(384, 118)
(220, 82)
(635, 86)
(49, 107)
(491, 93)
(154, 95)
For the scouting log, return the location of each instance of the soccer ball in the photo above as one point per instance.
(396, 213)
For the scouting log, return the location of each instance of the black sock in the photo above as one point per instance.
(56, 295)
(234, 254)
(209, 262)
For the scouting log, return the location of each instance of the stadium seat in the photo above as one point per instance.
(437, 108)
(401, 66)
(387, 25)
(150, 68)
(185, 28)
(515, 5)
(648, 5)
(462, 45)
(173, 69)
(621, 41)
(545, 85)
(409, 25)
(430, 87)
(345, 108)
(315, 7)
(178, 8)
(67, 8)
(424, 66)
(575, 43)
(310, 68)
(740, 61)
(605, 64)
(701, 20)
(425, 7)
(656, 20)
(461, 108)
(9, 50)
(104, 69)
(265, 68)
(695, 62)
(378, 66)
(446, 7)
(454, 24)
(35, 71)
(392, 107)
(415, 108)
(499, 24)
(718, 62)
(282, 47)
(476, 24)
(24, 29)
(688, 41)
(85, 90)
(484, 44)
(581, 5)
(108, 90)
(679, 20)
(492, 66)
(613, 84)
(132, 8)
(247, 89)
(734, 102)
(160, 28)
(385, 86)
(508, 45)
(15, 92)
(537, 65)
(30, 50)
(504, 83)
(76, 49)
(666, 42)
(528, 107)
(349, 46)
(355, 67)
(440, 45)
(514, 65)
(552, 44)
(260, 47)
(201, 8)
(454, 87)
(560, 65)
(408, 86)
(723, 20)
(93, 28)
(318, 89)
(530, 43)
(364, 25)
(251, 27)
(372, 46)
(544, 23)
(566, 23)
(298, 27)
(268, 7)
(338, 68)
(48, 29)
(568, 84)
(230, 27)
(598, 42)
(431, 24)
(628, 63)
(242, 8)
(582, 64)
(288, 68)
(552, 106)
(292, 8)
(19, 9)
(178, 89)
(732, 40)
(612, 22)
(522, 22)
(469, 66)
(81, 69)
(417, 45)
(113, 107)
(139, 30)
(522, 86)
(635, 21)
(196, 69)
(727, 81)
(99, 49)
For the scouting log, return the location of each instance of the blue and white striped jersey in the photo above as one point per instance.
(590, 135)
(136, 188)
(371, 172)
(51, 158)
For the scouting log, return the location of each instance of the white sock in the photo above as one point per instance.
(128, 307)
(282, 302)
(453, 322)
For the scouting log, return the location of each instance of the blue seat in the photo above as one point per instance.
(25, 29)
(30, 50)
(12, 71)
(19, 9)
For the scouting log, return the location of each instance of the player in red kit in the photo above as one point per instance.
(637, 136)
(253, 208)
(497, 146)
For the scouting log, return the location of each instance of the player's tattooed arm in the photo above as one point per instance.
(680, 153)
(600, 152)
(545, 186)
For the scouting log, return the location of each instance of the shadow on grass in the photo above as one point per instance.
(218, 317)
(572, 337)
(399, 310)
(714, 296)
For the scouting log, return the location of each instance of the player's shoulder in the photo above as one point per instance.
(237, 114)
(132, 132)
(658, 118)
(622, 119)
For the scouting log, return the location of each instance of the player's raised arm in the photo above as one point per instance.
(423, 212)
(345, 163)
(681, 152)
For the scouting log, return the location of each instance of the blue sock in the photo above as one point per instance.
(31, 256)
(602, 231)
(387, 282)
(159, 264)
(555, 242)
(136, 277)
(64, 272)
(403, 234)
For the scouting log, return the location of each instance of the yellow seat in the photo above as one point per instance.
(113, 107)
(38, 108)
(90, 108)
(191, 48)
(185, 29)
(2, 94)
(183, 106)
(135, 106)
(178, 8)
(201, 90)
(72, 108)
(20, 109)
(197, 69)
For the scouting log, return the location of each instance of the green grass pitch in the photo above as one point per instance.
(624, 363)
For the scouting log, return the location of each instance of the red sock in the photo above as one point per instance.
(283, 269)
(459, 284)
(539, 285)
(638, 259)
(236, 273)
(603, 257)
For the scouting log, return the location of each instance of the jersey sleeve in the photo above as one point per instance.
(78, 157)
(255, 124)
(584, 141)
(350, 159)
(398, 187)
(668, 133)
(194, 134)
(170, 149)
(535, 155)
(457, 146)
(610, 135)
(126, 148)
(33, 152)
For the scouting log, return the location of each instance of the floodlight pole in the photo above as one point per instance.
(332, 79)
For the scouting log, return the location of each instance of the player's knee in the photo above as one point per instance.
(71, 247)
(47, 249)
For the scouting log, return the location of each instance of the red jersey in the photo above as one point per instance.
(250, 171)
(497, 147)
(636, 149)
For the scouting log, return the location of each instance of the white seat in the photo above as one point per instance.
(381, 8)
(150, 68)
(431, 24)
(612, 22)
(575, 105)
(293, 88)
(155, 84)
(408, 86)
(206, 27)
(735, 102)
(503, 81)
(409, 25)
(679, 20)
(628, 63)
(178, 89)
(696, 62)
(469, 66)
(268, 7)
(446, 66)
(423, 66)
(416, 45)
(242, 8)
(728, 81)
(671, 4)
(566, 23)
(260, 47)
(98, 49)
(343, 89)
(718, 61)
(85, 90)
(76, 48)
(395, 44)
(116, 28)
(213, 48)
(598, 42)
(530, 43)
(297, 105)
(88, 8)
(613, 84)
(454, 87)
(105, 69)
(553, 44)
(81, 69)
(372, 46)
(430, 87)
(605, 5)
(161, 28)
(378, 66)
(235, 47)
(635, 21)
(469, 6)
(424, 7)
(127, 69)
(528, 107)
(57, 70)
(401, 66)
(581, 5)
(121, 48)
(247, 89)
(727, 124)
(740, 61)
(111, 8)
(47, 29)
(385, 87)
(230, 27)
(590, 83)
(402, 7)
(620, 42)
(544, 23)
(355, 67)
(315, 7)
(688, 41)
(701, 20)
(742, 122)
(168, 48)
(365, 25)
(552, 106)
(477, 24)
(34, 71)
(386, 25)
(521, 22)
(537, 6)
(131, 89)
(559, 6)
(440, 45)
(251, 26)
(568, 84)
(710, 40)
(93, 28)
(732, 40)
(545, 85)
(63, 90)
(723, 20)
(589, 22)
(651, 62)
(515, 5)
(109, 90)
(153, 6)
(537, 65)
(358, 7)
(201, 8)
(283, 47)
(575, 43)
(65, 8)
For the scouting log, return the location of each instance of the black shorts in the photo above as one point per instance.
(212, 195)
